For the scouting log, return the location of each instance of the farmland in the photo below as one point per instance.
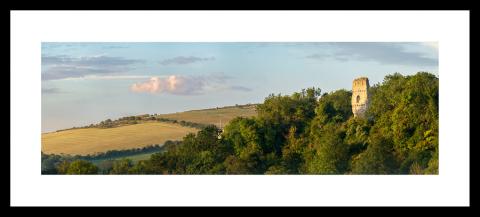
(217, 116)
(93, 140)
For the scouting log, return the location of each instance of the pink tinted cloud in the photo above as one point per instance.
(173, 84)
(185, 85)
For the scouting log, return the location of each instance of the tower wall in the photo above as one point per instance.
(360, 96)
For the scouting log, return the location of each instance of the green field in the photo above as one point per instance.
(139, 157)
(135, 158)
(219, 117)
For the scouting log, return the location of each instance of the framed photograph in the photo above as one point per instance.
(226, 108)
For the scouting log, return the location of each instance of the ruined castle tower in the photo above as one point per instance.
(360, 96)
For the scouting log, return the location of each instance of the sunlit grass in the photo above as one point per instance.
(220, 116)
(92, 140)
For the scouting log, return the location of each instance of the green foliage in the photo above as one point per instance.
(293, 110)
(81, 167)
(105, 166)
(405, 110)
(357, 133)
(142, 167)
(241, 132)
(432, 167)
(183, 123)
(234, 165)
(292, 154)
(277, 170)
(330, 152)
(334, 107)
(200, 153)
(58, 164)
(278, 113)
(121, 166)
(377, 159)
(49, 163)
(62, 168)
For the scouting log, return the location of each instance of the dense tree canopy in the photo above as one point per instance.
(79, 167)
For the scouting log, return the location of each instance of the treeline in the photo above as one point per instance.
(248, 105)
(313, 133)
(130, 120)
(116, 123)
(59, 164)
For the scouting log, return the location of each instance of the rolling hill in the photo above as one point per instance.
(217, 116)
(90, 140)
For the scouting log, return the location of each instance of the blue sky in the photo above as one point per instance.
(84, 83)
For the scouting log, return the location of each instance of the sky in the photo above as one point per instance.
(85, 83)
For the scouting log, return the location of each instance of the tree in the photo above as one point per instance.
(233, 165)
(200, 153)
(63, 166)
(327, 152)
(204, 163)
(432, 164)
(357, 132)
(142, 167)
(81, 167)
(105, 166)
(405, 111)
(377, 159)
(49, 163)
(330, 154)
(121, 166)
(292, 154)
(277, 169)
(240, 132)
(334, 107)
(278, 113)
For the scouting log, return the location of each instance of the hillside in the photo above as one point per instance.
(146, 131)
(92, 140)
(217, 116)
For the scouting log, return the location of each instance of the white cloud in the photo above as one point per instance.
(172, 84)
(185, 85)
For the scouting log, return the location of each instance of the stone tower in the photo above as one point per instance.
(360, 96)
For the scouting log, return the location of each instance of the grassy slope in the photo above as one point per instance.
(92, 140)
(212, 116)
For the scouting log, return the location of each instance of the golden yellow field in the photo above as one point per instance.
(92, 140)
(220, 116)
